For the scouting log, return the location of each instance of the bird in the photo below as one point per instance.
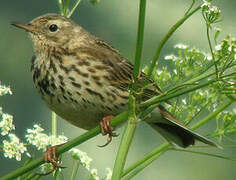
(86, 81)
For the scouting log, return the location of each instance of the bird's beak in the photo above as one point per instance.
(27, 27)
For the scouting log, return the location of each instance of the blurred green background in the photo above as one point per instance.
(116, 22)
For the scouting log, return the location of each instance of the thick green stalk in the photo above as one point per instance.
(132, 119)
(70, 144)
(146, 160)
(140, 35)
(125, 141)
(212, 115)
(166, 38)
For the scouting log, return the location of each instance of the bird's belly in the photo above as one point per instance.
(82, 112)
(80, 115)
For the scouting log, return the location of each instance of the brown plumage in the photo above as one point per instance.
(83, 79)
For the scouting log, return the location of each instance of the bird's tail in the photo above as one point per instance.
(169, 127)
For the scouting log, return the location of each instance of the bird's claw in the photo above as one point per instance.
(107, 129)
(50, 156)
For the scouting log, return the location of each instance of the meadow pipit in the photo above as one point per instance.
(85, 81)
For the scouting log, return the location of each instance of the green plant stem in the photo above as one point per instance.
(147, 159)
(191, 6)
(70, 144)
(73, 9)
(204, 153)
(74, 170)
(164, 97)
(140, 35)
(66, 8)
(132, 119)
(166, 38)
(125, 141)
(211, 49)
(212, 115)
(54, 124)
(60, 4)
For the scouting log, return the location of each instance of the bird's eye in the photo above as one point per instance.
(53, 27)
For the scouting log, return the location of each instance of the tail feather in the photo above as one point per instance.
(174, 132)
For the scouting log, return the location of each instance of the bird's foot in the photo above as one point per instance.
(107, 129)
(50, 156)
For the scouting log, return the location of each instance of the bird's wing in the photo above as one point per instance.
(120, 69)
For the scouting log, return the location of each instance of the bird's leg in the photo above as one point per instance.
(107, 129)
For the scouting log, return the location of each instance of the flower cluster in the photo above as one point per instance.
(210, 13)
(189, 63)
(226, 124)
(40, 140)
(13, 147)
(225, 55)
(6, 123)
(4, 90)
(85, 161)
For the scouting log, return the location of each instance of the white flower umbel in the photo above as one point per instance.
(13, 148)
(6, 123)
(180, 46)
(206, 4)
(4, 90)
(40, 140)
(171, 57)
(37, 138)
(82, 157)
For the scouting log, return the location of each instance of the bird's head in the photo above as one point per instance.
(51, 30)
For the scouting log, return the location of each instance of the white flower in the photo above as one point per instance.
(41, 140)
(180, 46)
(5, 90)
(94, 174)
(37, 138)
(82, 157)
(170, 57)
(13, 148)
(158, 71)
(218, 47)
(53, 140)
(205, 4)
(209, 57)
(175, 71)
(215, 10)
(109, 174)
(6, 124)
(184, 101)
